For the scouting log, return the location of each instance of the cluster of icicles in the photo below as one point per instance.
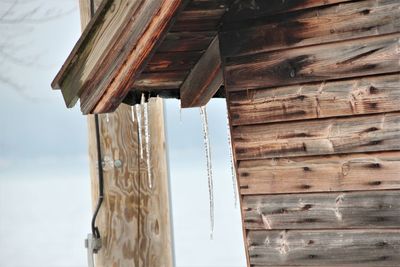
(147, 138)
(207, 150)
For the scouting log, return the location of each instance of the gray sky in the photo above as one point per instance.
(43, 156)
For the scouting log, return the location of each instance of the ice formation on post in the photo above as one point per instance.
(133, 114)
(204, 119)
(148, 144)
(139, 121)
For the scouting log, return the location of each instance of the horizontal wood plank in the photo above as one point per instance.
(368, 95)
(175, 61)
(160, 81)
(244, 10)
(347, 59)
(380, 132)
(375, 209)
(313, 26)
(186, 41)
(348, 172)
(324, 248)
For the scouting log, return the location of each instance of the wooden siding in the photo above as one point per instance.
(313, 92)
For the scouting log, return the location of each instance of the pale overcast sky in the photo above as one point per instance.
(44, 180)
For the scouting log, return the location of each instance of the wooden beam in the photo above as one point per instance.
(134, 220)
(204, 80)
(112, 52)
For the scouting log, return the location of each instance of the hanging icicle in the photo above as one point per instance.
(148, 144)
(133, 114)
(233, 171)
(180, 111)
(139, 121)
(204, 118)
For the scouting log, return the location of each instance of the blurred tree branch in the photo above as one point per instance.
(18, 20)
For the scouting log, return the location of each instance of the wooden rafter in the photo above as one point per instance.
(204, 80)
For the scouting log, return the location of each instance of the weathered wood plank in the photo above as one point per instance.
(347, 59)
(186, 41)
(348, 172)
(324, 247)
(375, 209)
(176, 61)
(161, 80)
(321, 100)
(244, 10)
(107, 98)
(104, 33)
(313, 26)
(198, 20)
(369, 133)
(204, 80)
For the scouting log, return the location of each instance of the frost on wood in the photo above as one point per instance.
(133, 114)
(148, 144)
(233, 171)
(139, 121)
(207, 147)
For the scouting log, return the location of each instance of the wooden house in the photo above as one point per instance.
(313, 95)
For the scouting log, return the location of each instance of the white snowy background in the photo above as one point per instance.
(44, 180)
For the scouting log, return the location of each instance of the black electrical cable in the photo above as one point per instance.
(95, 229)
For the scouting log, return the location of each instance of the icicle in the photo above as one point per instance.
(180, 112)
(233, 171)
(139, 119)
(132, 114)
(148, 145)
(203, 113)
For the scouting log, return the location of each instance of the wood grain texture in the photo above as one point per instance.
(105, 33)
(176, 61)
(347, 59)
(186, 41)
(319, 100)
(108, 97)
(204, 80)
(134, 220)
(313, 26)
(242, 10)
(352, 172)
(324, 248)
(370, 133)
(160, 80)
(375, 209)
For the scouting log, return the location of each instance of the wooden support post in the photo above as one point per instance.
(134, 220)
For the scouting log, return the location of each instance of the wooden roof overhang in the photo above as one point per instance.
(160, 47)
